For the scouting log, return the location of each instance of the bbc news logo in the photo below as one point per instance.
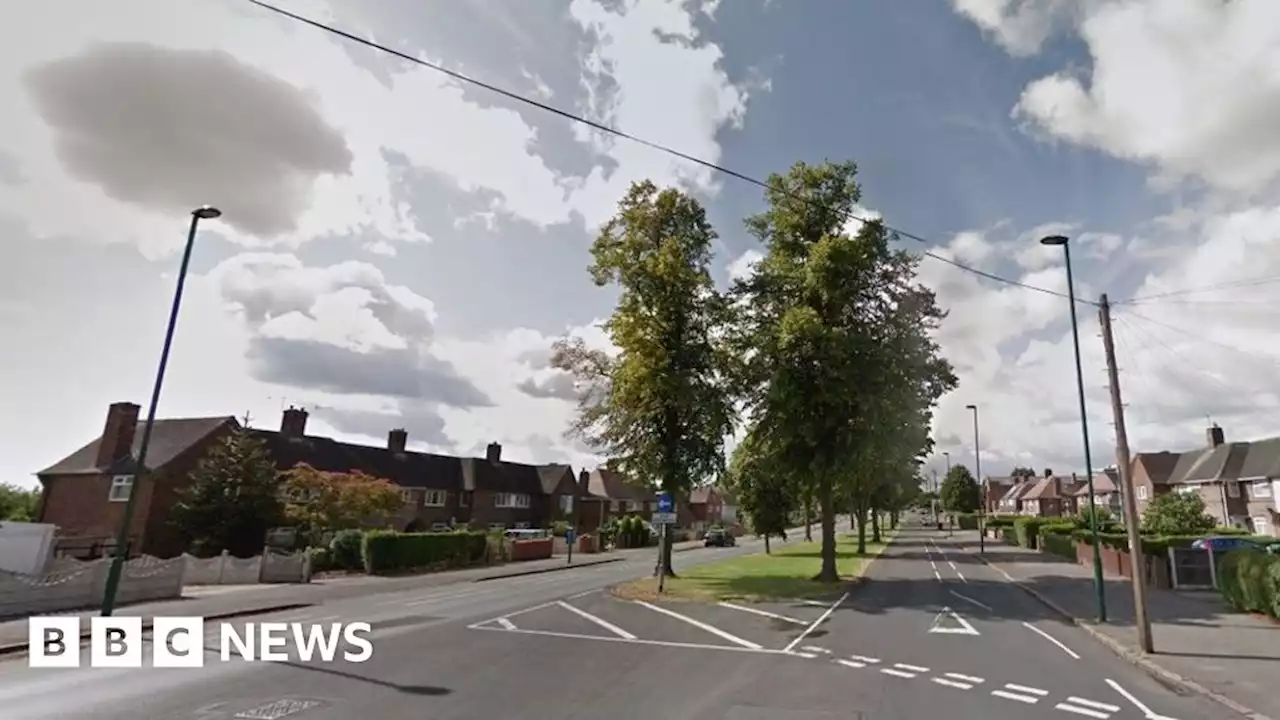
(179, 642)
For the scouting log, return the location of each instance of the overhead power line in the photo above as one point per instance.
(572, 117)
(1229, 285)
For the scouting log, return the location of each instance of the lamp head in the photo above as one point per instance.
(970, 407)
(1054, 240)
(207, 212)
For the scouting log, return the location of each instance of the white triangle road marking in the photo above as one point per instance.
(964, 629)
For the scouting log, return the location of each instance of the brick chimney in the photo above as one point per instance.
(293, 424)
(584, 481)
(1214, 436)
(493, 453)
(117, 434)
(396, 440)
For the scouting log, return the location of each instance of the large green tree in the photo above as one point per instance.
(764, 496)
(1177, 514)
(233, 498)
(659, 409)
(960, 492)
(18, 504)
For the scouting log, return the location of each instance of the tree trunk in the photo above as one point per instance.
(829, 573)
(875, 525)
(766, 543)
(893, 520)
(862, 529)
(667, 541)
(808, 519)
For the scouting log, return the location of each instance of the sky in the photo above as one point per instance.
(399, 249)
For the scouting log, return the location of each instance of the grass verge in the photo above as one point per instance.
(786, 573)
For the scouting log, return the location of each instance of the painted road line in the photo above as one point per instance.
(1051, 639)
(507, 624)
(911, 668)
(583, 594)
(960, 575)
(763, 613)
(805, 655)
(964, 629)
(637, 641)
(816, 649)
(1093, 704)
(897, 673)
(952, 683)
(599, 621)
(815, 603)
(821, 619)
(1028, 699)
(968, 599)
(865, 659)
(703, 626)
(850, 663)
(1026, 689)
(1086, 711)
(937, 576)
(966, 678)
(476, 626)
(1148, 712)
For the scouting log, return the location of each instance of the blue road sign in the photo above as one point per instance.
(568, 536)
(665, 504)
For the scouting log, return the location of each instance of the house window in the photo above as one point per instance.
(630, 505)
(120, 487)
(1233, 489)
(439, 527)
(1260, 489)
(1261, 526)
(407, 497)
(510, 500)
(435, 498)
(1187, 489)
(1142, 492)
(566, 504)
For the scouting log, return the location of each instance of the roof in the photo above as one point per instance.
(1016, 492)
(553, 477)
(1262, 460)
(1103, 482)
(997, 490)
(605, 483)
(1210, 464)
(1159, 466)
(1044, 489)
(701, 495)
(169, 439)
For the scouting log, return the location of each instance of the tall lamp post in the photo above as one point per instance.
(947, 474)
(1061, 241)
(982, 488)
(140, 463)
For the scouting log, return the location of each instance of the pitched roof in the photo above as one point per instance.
(997, 490)
(605, 483)
(1016, 492)
(1262, 460)
(701, 495)
(1159, 466)
(1104, 482)
(169, 439)
(1210, 464)
(553, 478)
(1044, 489)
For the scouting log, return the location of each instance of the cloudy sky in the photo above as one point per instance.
(398, 249)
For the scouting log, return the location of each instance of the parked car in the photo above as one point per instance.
(718, 538)
(1225, 543)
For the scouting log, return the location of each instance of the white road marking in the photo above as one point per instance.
(937, 576)
(1084, 711)
(805, 655)
(637, 641)
(968, 599)
(960, 575)
(1051, 639)
(1028, 699)
(1026, 689)
(583, 594)
(850, 663)
(513, 614)
(1150, 715)
(599, 621)
(703, 626)
(912, 668)
(897, 673)
(952, 683)
(865, 659)
(821, 619)
(817, 603)
(964, 629)
(507, 624)
(966, 678)
(1094, 704)
(815, 649)
(953, 566)
(763, 613)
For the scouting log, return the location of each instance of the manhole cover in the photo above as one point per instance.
(277, 709)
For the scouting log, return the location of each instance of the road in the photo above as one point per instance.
(556, 646)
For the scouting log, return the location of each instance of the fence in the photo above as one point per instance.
(72, 585)
(1193, 569)
(227, 569)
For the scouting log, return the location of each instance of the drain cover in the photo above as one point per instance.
(277, 709)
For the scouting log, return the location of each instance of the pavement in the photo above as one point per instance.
(1201, 645)
(905, 644)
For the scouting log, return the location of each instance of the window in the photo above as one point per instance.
(1233, 489)
(435, 498)
(566, 504)
(1260, 489)
(1260, 525)
(1186, 489)
(615, 506)
(1142, 492)
(439, 527)
(630, 505)
(510, 500)
(407, 496)
(497, 526)
(120, 487)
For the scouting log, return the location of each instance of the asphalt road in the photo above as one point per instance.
(554, 646)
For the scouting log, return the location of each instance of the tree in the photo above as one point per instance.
(659, 410)
(764, 496)
(319, 501)
(1177, 514)
(232, 500)
(960, 492)
(18, 504)
(1022, 474)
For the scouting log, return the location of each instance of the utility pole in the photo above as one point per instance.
(1136, 558)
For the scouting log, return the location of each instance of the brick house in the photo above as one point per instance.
(701, 511)
(1235, 480)
(1106, 493)
(994, 490)
(609, 495)
(1048, 497)
(1150, 474)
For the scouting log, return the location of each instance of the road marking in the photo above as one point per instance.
(960, 575)
(599, 621)
(1094, 704)
(897, 673)
(1026, 689)
(805, 655)
(1028, 699)
(1150, 715)
(850, 663)
(1051, 639)
(816, 649)
(511, 615)
(817, 603)
(703, 626)
(506, 624)
(637, 641)
(817, 622)
(865, 659)
(583, 594)
(937, 576)
(1082, 711)
(763, 613)
(966, 678)
(952, 683)
(968, 599)
(912, 668)
(964, 629)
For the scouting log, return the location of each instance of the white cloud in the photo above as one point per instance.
(1020, 26)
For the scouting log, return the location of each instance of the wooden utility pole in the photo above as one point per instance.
(1130, 503)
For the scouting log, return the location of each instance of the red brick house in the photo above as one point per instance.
(84, 493)
(610, 495)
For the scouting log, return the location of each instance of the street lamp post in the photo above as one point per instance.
(1062, 242)
(140, 463)
(982, 488)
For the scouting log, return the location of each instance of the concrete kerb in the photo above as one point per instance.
(1132, 654)
(539, 571)
(19, 648)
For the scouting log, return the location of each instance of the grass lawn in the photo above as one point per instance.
(786, 573)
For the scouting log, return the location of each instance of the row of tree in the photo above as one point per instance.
(825, 351)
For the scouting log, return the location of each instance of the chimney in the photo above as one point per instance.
(396, 440)
(493, 453)
(1214, 436)
(294, 422)
(1048, 472)
(117, 435)
(584, 481)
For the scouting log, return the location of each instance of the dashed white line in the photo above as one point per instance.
(703, 626)
(937, 575)
(1051, 639)
(952, 683)
(1094, 704)
(966, 678)
(912, 668)
(850, 663)
(598, 621)
(1082, 711)
(968, 599)
(1151, 715)
(865, 659)
(1026, 689)
(763, 613)
(897, 673)
(805, 655)
(1028, 699)
(815, 649)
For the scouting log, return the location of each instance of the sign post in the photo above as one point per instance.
(662, 518)
(569, 537)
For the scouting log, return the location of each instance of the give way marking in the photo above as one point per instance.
(962, 626)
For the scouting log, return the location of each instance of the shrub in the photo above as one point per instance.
(1250, 581)
(967, 521)
(1058, 543)
(386, 552)
(346, 548)
(1227, 530)
(1028, 528)
(560, 529)
(1000, 521)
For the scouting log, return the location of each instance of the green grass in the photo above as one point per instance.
(784, 574)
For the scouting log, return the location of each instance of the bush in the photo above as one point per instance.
(386, 552)
(1000, 521)
(560, 529)
(967, 521)
(1058, 543)
(1250, 581)
(346, 548)
(1027, 529)
(1227, 530)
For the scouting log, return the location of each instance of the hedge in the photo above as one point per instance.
(1026, 529)
(1250, 581)
(387, 552)
(1058, 543)
(1000, 521)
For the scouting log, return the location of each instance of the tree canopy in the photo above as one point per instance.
(960, 492)
(232, 500)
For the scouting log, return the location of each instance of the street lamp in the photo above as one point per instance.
(1062, 241)
(982, 488)
(203, 212)
(947, 455)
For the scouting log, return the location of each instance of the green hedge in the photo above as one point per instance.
(967, 521)
(1027, 529)
(1058, 543)
(1250, 581)
(1000, 521)
(388, 552)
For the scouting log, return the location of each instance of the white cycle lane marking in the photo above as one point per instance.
(1051, 639)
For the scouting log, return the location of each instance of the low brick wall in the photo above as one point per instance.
(539, 549)
(1116, 564)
